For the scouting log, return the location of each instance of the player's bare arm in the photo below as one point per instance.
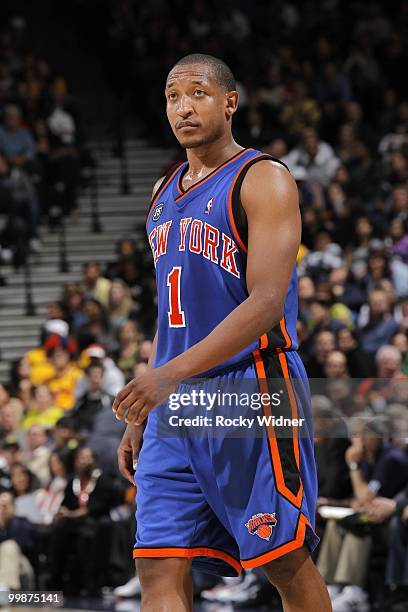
(269, 197)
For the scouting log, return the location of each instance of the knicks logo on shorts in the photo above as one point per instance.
(157, 211)
(262, 524)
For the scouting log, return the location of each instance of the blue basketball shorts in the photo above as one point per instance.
(228, 495)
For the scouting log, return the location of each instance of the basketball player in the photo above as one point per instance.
(224, 228)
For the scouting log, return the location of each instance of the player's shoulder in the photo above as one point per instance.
(268, 166)
(267, 174)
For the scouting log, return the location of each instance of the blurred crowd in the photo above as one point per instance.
(41, 150)
(322, 87)
(59, 479)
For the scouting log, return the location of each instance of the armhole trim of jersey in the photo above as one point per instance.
(168, 177)
(236, 213)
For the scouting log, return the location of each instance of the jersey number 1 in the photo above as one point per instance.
(175, 314)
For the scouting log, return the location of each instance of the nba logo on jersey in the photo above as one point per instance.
(209, 206)
(158, 211)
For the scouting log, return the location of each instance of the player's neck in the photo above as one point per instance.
(211, 156)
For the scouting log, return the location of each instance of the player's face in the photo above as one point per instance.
(198, 109)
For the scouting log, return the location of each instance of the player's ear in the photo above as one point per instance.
(231, 102)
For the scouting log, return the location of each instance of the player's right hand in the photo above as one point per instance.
(128, 451)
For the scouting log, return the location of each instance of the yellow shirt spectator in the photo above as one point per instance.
(66, 376)
(63, 386)
(43, 410)
(41, 369)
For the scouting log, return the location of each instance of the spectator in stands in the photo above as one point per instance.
(42, 409)
(378, 271)
(24, 483)
(64, 153)
(314, 156)
(65, 437)
(36, 366)
(92, 402)
(325, 257)
(394, 510)
(16, 141)
(400, 342)
(397, 236)
(82, 528)
(320, 318)
(129, 338)
(381, 325)
(324, 344)
(376, 469)
(17, 145)
(97, 329)
(10, 454)
(5, 395)
(389, 361)
(336, 365)
(48, 499)
(11, 415)
(300, 112)
(306, 290)
(94, 284)
(359, 363)
(18, 548)
(377, 390)
(25, 393)
(113, 377)
(95, 421)
(399, 260)
(331, 443)
(120, 306)
(126, 251)
(66, 373)
(19, 204)
(398, 415)
(73, 300)
(145, 350)
(41, 136)
(37, 454)
(363, 236)
(56, 312)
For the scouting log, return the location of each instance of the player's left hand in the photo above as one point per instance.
(142, 394)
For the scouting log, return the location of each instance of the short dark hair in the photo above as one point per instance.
(66, 422)
(222, 73)
(91, 264)
(84, 446)
(32, 479)
(94, 365)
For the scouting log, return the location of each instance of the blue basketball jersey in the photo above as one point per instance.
(198, 239)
